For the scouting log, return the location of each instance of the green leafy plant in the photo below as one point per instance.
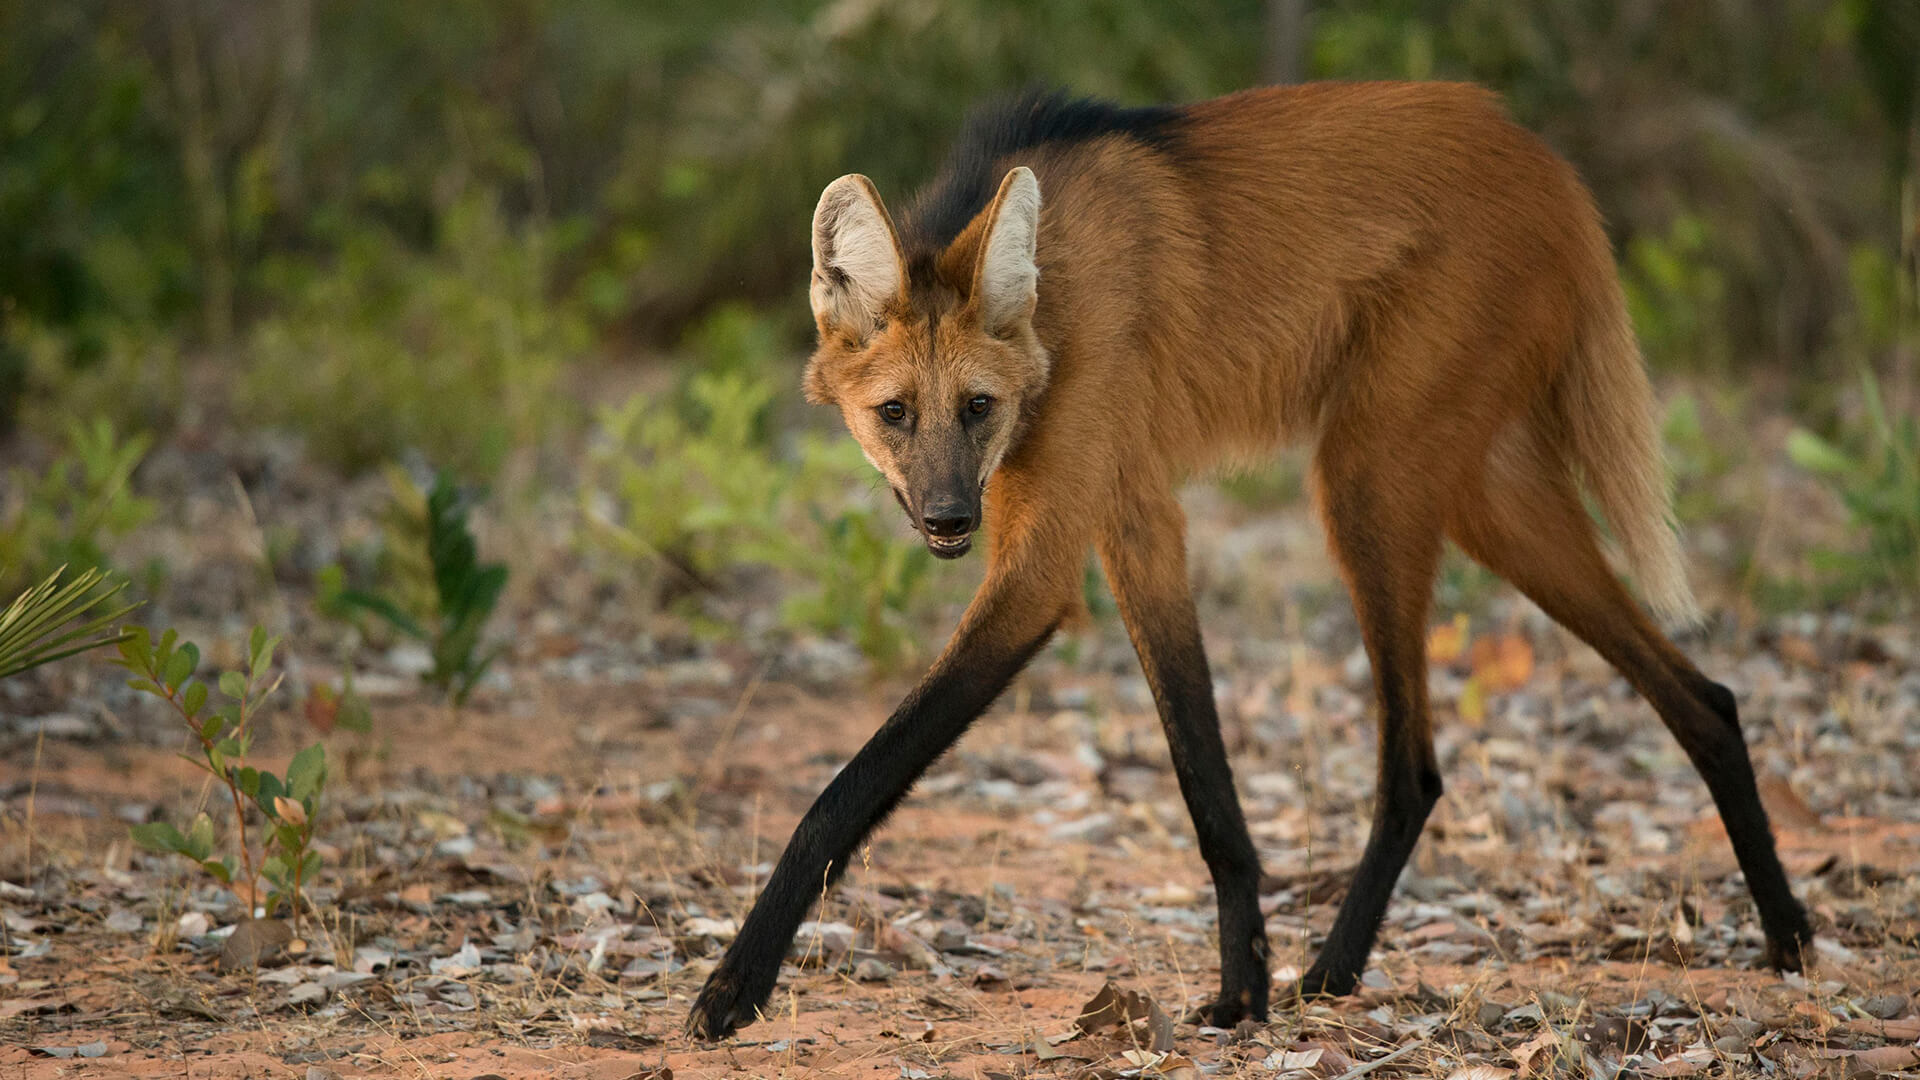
(865, 583)
(1877, 479)
(452, 353)
(1677, 295)
(691, 486)
(53, 620)
(1266, 485)
(77, 510)
(465, 591)
(223, 733)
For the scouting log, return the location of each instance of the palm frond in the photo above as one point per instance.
(56, 619)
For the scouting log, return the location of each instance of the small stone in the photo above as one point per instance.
(193, 924)
(408, 658)
(1094, 829)
(126, 921)
(951, 935)
(307, 995)
(872, 970)
(340, 980)
(722, 930)
(368, 960)
(829, 942)
(464, 961)
(1883, 1006)
(254, 942)
(91, 1050)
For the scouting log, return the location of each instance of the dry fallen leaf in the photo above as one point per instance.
(1480, 1072)
(1613, 1034)
(1906, 1030)
(1885, 1059)
(1114, 1006)
(1160, 1063)
(1673, 1068)
(1536, 1054)
(254, 942)
(1502, 662)
(1447, 642)
(1289, 1060)
(322, 708)
(1472, 705)
(1785, 808)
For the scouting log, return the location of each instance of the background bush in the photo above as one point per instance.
(415, 229)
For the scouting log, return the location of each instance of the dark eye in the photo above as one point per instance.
(893, 412)
(979, 405)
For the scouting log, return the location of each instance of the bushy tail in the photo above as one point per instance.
(1607, 411)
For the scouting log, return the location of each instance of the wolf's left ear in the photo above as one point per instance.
(1006, 278)
(857, 267)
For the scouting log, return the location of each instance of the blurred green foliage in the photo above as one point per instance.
(691, 482)
(694, 486)
(73, 513)
(398, 229)
(1878, 480)
(441, 594)
(204, 165)
(453, 354)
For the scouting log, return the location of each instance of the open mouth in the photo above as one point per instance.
(950, 547)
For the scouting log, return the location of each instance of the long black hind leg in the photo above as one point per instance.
(1387, 538)
(1531, 529)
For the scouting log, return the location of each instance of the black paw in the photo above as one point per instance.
(1231, 1007)
(1321, 982)
(1792, 953)
(726, 1003)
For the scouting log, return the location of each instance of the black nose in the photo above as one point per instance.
(949, 525)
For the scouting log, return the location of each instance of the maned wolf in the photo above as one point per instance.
(1093, 302)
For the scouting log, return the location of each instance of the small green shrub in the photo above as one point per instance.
(1876, 474)
(690, 486)
(52, 620)
(454, 354)
(75, 512)
(288, 806)
(862, 580)
(1700, 461)
(1677, 296)
(131, 376)
(464, 593)
(688, 483)
(1266, 486)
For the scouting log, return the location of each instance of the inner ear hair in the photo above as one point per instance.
(1006, 276)
(857, 268)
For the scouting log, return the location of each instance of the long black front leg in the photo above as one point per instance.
(999, 635)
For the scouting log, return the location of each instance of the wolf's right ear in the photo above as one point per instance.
(857, 266)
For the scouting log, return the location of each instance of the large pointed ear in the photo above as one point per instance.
(857, 266)
(1006, 279)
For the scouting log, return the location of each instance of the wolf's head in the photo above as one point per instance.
(932, 360)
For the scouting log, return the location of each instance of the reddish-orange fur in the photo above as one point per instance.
(1395, 272)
